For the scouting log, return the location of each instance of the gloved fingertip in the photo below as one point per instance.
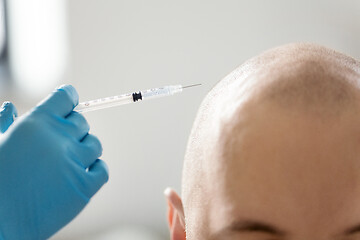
(8, 113)
(100, 169)
(60, 102)
(9, 108)
(97, 176)
(4, 105)
(71, 91)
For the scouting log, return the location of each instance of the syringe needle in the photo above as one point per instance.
(194, 85)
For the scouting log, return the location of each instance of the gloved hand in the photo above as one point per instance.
(49, 167)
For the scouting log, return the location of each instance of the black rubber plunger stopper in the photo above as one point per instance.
(137, 96)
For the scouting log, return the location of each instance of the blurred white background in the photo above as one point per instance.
(110, 47)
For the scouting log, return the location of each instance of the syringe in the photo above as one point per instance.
(113, 101)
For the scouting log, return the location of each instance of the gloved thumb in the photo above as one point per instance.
(8, 113)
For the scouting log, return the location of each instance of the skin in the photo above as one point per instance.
(274, 152)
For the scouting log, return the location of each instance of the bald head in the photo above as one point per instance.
(277, 139)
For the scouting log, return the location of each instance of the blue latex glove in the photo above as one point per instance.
(49, 167)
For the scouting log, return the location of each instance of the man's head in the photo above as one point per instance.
(274, 152)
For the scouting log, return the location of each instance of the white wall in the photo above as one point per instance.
(119, 46)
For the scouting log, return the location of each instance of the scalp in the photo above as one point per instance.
(297, 77)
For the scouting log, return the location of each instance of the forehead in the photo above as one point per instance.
(289, 169)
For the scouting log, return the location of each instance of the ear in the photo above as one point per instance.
(176, 217)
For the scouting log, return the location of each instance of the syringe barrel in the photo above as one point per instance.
(161, 92)
(127, 98)
(104, 103)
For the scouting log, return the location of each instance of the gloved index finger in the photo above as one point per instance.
(61, 101)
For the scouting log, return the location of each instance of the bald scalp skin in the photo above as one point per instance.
(277, 142)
